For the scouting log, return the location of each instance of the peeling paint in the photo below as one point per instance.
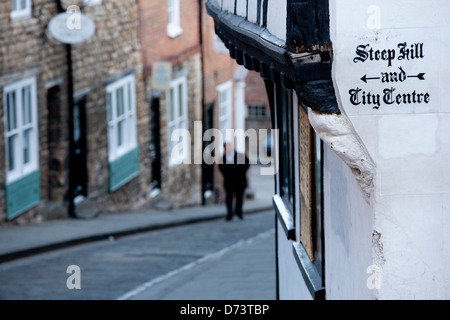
(377, 245)
(338, 133)
(378, 255)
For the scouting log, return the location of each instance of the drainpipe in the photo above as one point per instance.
(72, 209)
(70, 93)
(201, 3)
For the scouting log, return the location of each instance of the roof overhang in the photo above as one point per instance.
(308, 73)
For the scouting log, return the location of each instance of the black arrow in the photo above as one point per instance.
(420, 76)
(365, 78)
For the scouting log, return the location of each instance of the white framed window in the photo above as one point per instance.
(121, 113)
(174, 18)
(92, 2)
(21, 9)
(177, 107)
(21, 129)
(225, 92)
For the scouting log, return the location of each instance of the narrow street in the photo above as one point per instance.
(176, 263)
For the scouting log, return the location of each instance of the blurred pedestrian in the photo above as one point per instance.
(234, 170)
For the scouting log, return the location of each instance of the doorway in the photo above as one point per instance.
(207, 169)
(155, 146)
(78, 165)
(55, 174)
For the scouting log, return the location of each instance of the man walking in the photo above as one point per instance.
(234, 170)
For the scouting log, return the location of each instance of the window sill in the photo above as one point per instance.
(285, 216)
(20, 16)
(92, 3)
(174, 164)
(174, 31)
(309, 272)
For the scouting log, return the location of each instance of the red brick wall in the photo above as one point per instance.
(184, 53)
(255, 90)
(156, 45)
(218, 67)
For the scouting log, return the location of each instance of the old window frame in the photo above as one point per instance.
(317, 216)
(285, 200)
(309, 249)
(125, 140)
(16, 127)
(93, 2)
(257, 111)
(177, 113)
(20, 9)
(174, 18)
(225, 104)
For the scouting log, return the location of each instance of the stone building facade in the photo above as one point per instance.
(27, 55)
(93, 127)
(172, 62)
(104, 66)
(56, 159)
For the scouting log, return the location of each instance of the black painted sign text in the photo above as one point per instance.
(391, 95)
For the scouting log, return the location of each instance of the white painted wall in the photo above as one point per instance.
(241, 8)
(348, 232)
(228, 5)
(276, 18)
(408, 143)
(252, 11)
(276, 14)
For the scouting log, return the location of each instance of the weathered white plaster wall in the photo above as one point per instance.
(228, 5)
(253, 11)
(276, 18)
(408, 142)
(241, 8)
(276, 14)
(348, 232)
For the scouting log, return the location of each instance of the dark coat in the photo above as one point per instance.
(235, 174)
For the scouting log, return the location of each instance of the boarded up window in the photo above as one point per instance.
(311, 190)
(306, 182)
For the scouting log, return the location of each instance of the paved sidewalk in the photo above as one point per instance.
(21, 241)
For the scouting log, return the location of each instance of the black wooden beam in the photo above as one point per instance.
(308, 25)
(308, 73)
